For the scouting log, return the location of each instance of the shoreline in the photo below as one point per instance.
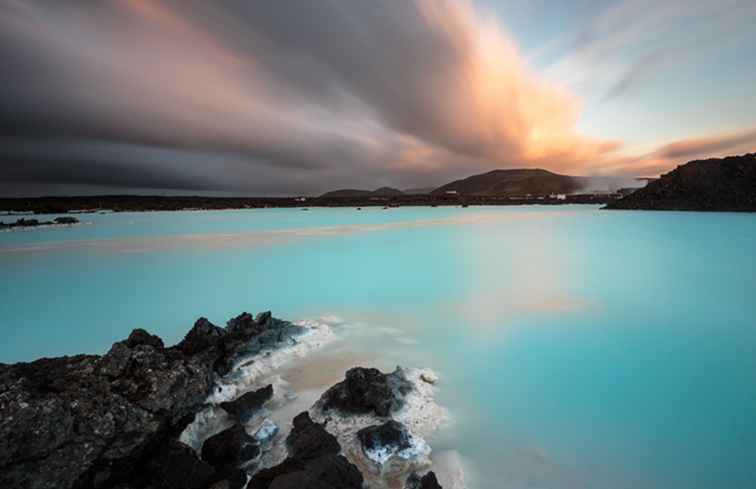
(196, 415)
(108, 204)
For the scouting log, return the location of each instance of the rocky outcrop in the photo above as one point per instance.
(367, 391)
(313, 463)
(389, 437)
(727, 184)
(246, 405)
(112, 420)
(31, 223)
(428, 481)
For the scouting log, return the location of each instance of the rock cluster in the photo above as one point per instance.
(113, 420)
(367, 391)
(314, 462)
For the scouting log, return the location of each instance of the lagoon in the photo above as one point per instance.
(577, 348)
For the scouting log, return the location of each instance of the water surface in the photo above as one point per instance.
(576, 347)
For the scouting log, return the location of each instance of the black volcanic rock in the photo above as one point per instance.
(141, 337)
(428, 481)
(231, 447)
(108, 421)
(391, 434)
(177, 467)
(727, 184)
(516, 182)
(367, 390)
(309, 440)
(314, 462)
(247, 404)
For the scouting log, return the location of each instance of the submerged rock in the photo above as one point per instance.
(247, 404)
(428, 481)
(266, 431)
(366, 391)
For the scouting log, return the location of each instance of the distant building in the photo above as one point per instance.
(558, 196)
(451, 192)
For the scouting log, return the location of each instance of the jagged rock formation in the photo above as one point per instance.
(112, 421)
(367, 390)
(313, 463)
(247, 404)
(727, 184)
(428, 481)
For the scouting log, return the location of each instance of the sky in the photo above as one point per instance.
(300, 97)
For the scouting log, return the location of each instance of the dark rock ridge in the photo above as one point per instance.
(313, 463)
(428, 481)
(247, 404)
(727, 184)
(109, 421)
(367, 390)
(31, 223)
(391, 434)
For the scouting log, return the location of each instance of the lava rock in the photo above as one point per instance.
(102, 421)
(428, 481)
(309, 440)
(179, 468)
(390, 435)
(247, 404)
(231, 447)
(141, 337)
(368, 390)
(202, 336)
(314, 462)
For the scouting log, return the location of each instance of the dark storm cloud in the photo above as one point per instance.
(270, 97)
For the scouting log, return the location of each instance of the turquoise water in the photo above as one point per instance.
(577, 347)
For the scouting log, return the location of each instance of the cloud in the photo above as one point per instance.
(670, 155)
(273, 97)
(626, 43)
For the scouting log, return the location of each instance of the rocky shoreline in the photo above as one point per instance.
(34, 223)
(133, 418)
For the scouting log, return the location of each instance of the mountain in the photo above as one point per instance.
(727, 184)
(519, 182)
(348, 192)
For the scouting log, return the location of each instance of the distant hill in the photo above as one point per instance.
(517, 182)
(727, 184)
(349, 192)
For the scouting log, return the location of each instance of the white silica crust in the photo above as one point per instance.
(387, 467)
(246, 375)
(247, 370)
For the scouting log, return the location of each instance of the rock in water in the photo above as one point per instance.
(231, 447)
(309, 440)
(248, 404)
(368, 390)
(313, 463)
(428, 481)
(381, 441)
